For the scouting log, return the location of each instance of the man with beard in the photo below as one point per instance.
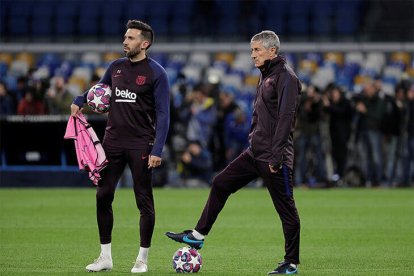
(135, 134)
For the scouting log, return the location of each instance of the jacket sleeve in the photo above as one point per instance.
(288, 99)
(162, 110)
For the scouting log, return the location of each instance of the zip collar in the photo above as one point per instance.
(271, 65)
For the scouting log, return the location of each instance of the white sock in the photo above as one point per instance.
(198, 235)
(106, 250)
(143, 254)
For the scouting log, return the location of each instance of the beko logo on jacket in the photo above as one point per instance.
(126, 95)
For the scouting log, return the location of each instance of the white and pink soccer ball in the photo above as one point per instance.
(99, 98)
(187, 260)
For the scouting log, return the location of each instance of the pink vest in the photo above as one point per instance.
(89, 151)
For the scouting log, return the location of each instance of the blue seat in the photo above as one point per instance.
(159, 16)
(228, 17)
(4, 11)
(112, 19)
(19, 18)
(3, 70)
(275, 15)
(65, 19)
(137, 10)
(298, 17)
(348, 14)
(50, 60)
(322, 15)
(89, 16)
(298, 26)
(181, 17)
(42, 18)
(276, 24)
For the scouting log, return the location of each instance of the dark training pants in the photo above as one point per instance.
(138, 163)
(237, 175)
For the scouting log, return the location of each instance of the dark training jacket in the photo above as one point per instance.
(274, 114)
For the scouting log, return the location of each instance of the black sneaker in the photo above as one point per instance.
(284, 268)
(186, 237)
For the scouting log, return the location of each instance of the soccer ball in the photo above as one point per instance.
(187, 260)
(99, 98)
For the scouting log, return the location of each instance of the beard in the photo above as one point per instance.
(134, 52)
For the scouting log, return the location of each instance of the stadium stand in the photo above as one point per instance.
(306, 20)
(198, 41)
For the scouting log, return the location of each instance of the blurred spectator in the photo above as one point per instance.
(58, 98)
(409, 141)
(309, 142)
(197, 165)
(370, 110)
(236, 133)
(179, 114)
(202, 118)
(226, 107)
(30, 105)
(6, 102)
(340, 115)
(392, 129)
(18, 93)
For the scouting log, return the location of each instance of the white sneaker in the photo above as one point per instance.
(139, 267)
(100, 264)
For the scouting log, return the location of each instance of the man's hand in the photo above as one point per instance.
(275, 169)
(154, 161)
(74, 109)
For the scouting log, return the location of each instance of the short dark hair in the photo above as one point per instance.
(146, 30)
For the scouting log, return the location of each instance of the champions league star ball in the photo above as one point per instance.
(99, 98)
(187, 260)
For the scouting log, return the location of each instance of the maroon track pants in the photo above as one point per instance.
(138, 163)
(237, 175)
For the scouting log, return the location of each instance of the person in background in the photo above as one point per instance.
(57, 97)
(370, 110)
(19, 91)
(202, 118)
(30, 104)
(225, 108)
(197, 165)
(392, 130)
(340, 117)
(236, 131)
(310, 141)
(270, 153)
(6, 102)
(135, 134)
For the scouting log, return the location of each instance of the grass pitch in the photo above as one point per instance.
(344, 232)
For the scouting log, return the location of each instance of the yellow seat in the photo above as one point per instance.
(26, 57)
(335, 57)
(80, 82)
(251, 80)
(410, 72)
(403, 57)
(100, 71)
(361, 79)
(6, 58)
(111, 56)
(226, 57)
(308, 65)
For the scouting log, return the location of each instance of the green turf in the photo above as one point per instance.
(344, 232)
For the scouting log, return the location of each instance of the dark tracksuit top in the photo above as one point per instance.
(139, 112)
(137, 125)
(271, 142)
(273, 121)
